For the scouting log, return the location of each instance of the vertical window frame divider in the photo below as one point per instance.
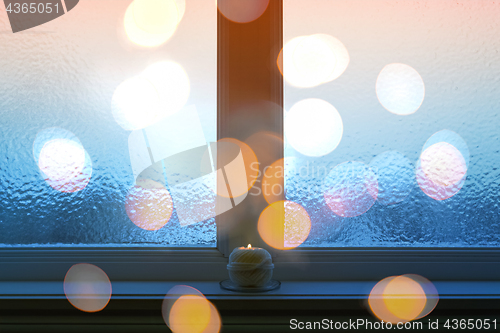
(370, 263)
(243, 79)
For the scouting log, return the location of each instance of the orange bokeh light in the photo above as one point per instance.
(214, 325)
(399, 299)
(149, 205)
(279, 61)
(430, 291)
(284, 225)
(273, 182)
(377, 304)
(186, 309)
(404, 298)
(190, 313)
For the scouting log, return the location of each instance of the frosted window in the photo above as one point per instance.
(392, 121)
(79, 99)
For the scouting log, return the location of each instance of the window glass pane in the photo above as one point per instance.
(96, 105)
(392, 120)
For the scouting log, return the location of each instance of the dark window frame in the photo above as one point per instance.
(247, 53)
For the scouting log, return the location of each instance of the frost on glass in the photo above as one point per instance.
(417, 162)
(66, 175)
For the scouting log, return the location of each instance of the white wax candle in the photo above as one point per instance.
(250, 266)
(250, 255)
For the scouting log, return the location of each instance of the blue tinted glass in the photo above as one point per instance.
(392, 121)
(85, 100)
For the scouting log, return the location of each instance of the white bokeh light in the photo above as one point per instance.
(65, 165)
(453, 139)
(172, 85)
(443, 164)
(150, 23)
(340, 52)
(288, 66)
(87, 287)
(313, 127)
(136, 104)
(181, 8)
(61, 159)
(441, 171)
(309, 61)
(400, 89)
(314, 61)
(155, 16)
(350, 189)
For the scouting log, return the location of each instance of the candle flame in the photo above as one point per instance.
(249, 246)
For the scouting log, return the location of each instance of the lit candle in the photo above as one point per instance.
(250, 266)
